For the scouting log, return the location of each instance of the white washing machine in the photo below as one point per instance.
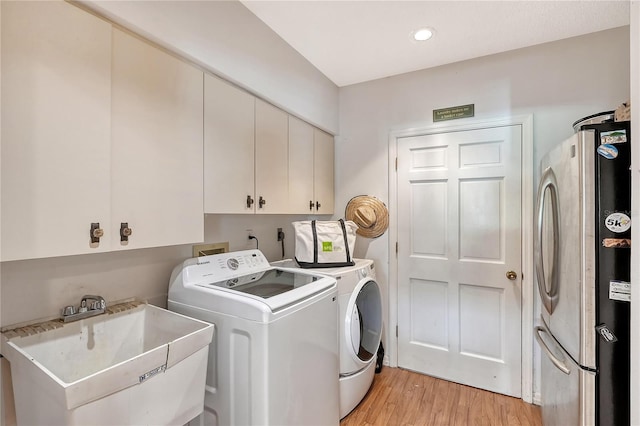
(274, 358)
(360, 327)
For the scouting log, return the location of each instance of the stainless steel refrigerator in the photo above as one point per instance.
(582, 254)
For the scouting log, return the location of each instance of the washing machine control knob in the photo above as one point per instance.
(233, 264)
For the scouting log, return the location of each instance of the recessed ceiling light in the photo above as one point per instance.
(423, 34)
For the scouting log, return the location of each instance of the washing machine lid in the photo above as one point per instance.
(243, 284)
(266, 284)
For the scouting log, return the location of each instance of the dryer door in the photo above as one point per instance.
(363, 326)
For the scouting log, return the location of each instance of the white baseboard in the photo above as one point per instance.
(536, 398)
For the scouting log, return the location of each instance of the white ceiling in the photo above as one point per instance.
(355, 41)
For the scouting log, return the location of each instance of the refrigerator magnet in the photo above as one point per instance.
(620, 290)
(618, 222)
(616, 243)
(608, 151)
(613, 137)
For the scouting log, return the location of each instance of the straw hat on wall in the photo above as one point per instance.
(369, 213)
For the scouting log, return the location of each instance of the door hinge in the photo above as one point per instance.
(396, 330)
(396, 248)
(396, 164)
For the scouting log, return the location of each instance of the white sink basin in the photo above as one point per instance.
(145, 365)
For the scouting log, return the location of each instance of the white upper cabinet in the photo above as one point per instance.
(56, 106)
(301, 197)
(323, 160)
(310, 169)
(245, 152)
(157, 145)
(98, 129)
(109, 142)
(272, 161)
(229, 148)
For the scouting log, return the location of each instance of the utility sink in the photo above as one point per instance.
(143, 365)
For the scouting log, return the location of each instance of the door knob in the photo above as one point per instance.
(511, 275)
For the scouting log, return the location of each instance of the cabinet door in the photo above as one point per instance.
(272, 164)
(56, 84)
(157, 143)
(228, 148)
(323, 172)
(301, 198)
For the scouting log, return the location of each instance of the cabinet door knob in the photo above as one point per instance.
(311, 205)
(318, 205)
(249, 201)
(261, 201)
(125, 231)
(95, 232)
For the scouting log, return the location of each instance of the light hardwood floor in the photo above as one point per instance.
(402, 397)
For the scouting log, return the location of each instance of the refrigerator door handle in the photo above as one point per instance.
(558, 363)
(548, 294)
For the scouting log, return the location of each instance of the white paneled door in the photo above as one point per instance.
(459, 256)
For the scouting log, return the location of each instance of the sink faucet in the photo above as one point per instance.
(98, 302)
(85, 310)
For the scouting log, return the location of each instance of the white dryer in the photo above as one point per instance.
(360, 327)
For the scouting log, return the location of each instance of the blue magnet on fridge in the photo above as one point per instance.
(608, 151)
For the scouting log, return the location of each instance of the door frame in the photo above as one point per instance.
(526, 121)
